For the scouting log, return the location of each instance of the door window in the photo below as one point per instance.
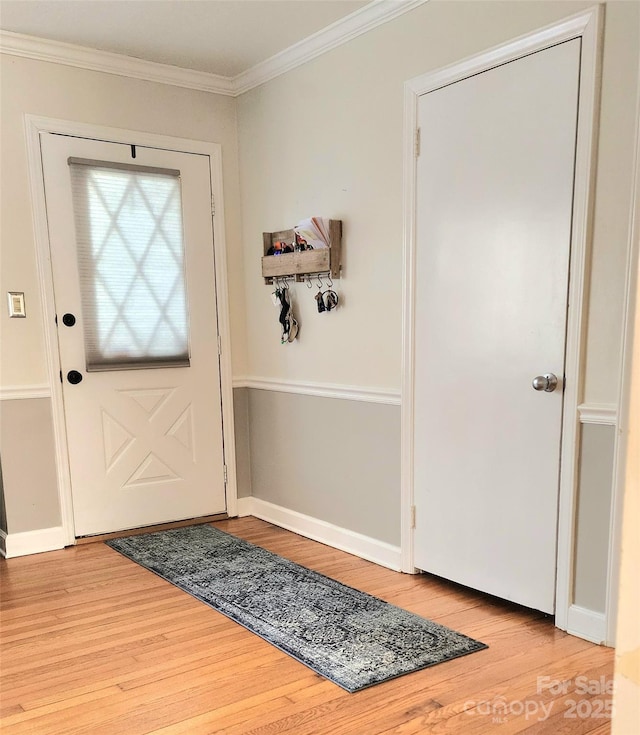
(131, 264)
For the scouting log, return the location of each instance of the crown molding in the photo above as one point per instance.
(81, 57)
(368, 17)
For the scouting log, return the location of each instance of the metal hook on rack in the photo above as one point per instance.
(308, 281)
(329, 280)
(320, 284)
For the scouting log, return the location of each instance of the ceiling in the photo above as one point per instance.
(225, 37)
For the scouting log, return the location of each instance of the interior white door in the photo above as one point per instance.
(133, 269)
(494, 201)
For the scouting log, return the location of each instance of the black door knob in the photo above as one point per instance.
(68, 320)
(74, 377)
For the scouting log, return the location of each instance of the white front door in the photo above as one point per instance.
(131, 242)
(494, 203)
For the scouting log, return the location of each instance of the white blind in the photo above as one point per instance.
(131, 264)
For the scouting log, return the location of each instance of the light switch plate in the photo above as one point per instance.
(16, 304)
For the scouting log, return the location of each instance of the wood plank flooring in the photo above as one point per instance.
(94, 644)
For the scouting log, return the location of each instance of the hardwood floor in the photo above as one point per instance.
(94, 644)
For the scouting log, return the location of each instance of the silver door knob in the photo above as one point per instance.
(547, 382)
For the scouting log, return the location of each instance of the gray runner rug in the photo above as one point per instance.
(347, 636)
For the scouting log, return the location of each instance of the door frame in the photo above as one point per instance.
(35, 126)
(588, 26)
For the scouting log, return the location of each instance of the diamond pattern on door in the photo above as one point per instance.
(182, 430)
(149, 471)
(143, 447)
(150, 399)
(116, 440)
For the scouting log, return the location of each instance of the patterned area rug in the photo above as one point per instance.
(347, 636)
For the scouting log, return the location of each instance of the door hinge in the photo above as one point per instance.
(413, 516)
(417, 142)
(56, 320)
(213, 205)
(226, 477)
(219, 346)
(61, 376)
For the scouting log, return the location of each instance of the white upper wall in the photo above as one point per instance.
(323, 139)
(62, 92)
(326, 139)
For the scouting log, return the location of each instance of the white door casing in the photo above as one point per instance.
(586, 26)
(145, 445)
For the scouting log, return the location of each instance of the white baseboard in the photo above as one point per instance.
(587, 624)
(244, 507)
(31, 542)
(365, 547)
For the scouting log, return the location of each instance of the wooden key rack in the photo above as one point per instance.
(302, 263)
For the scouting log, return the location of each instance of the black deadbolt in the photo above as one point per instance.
(68, 320)
(74, 377)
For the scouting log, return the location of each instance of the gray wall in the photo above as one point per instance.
(28, 465)
(333, 459)
(593, 516)
(3, 510)
(243, 447)
(28, 462)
